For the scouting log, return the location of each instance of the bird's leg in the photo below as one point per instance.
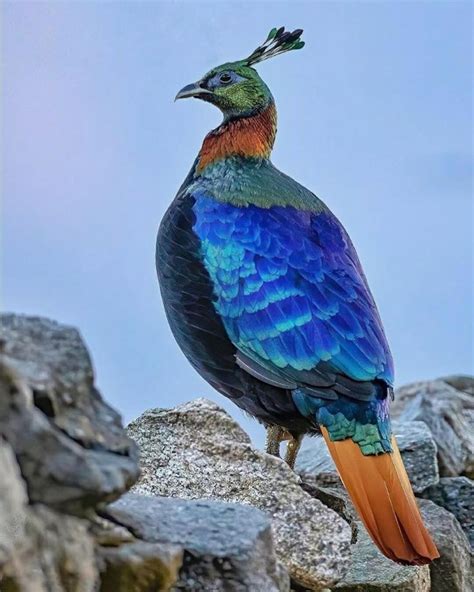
(292, 450)
(275, 434)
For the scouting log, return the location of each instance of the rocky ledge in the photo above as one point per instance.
(207, 512)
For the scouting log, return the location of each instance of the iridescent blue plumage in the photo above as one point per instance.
(290, 289)
(292, 296)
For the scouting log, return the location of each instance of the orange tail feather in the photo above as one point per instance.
(383, 497)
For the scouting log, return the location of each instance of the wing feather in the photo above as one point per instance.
(293, 297)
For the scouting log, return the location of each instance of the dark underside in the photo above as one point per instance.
(188, 299)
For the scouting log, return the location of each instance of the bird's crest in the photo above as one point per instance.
(278, 41)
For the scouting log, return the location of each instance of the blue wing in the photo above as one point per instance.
(291, 292)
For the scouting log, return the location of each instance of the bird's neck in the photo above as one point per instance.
(248, 137)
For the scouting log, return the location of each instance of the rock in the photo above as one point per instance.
(13, 502)
(370, 571)
(58, 552)
(139, 567)
(70, 445)
(452, 571)
(64, 457)
(419, 453)
(109, 534)
(449, 414)
(197, 451)
(334, 496)
(314, 459)
(40, 550)
(456, 494)
(227, 547)
(63, 448)
(417, 448)
(460, 382)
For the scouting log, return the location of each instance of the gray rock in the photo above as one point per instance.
(452, 571)
(460, 382)
(197, 451)
(370, 571)
(227, 547)
(449, 414)
(419, 453)
(107, 533)
(314, 459)
(140, 566)
(61, 445)
(40, 550)
(58, 552)
(13, 504)
(456, 494)
(334, 496)
(416, 445)
(71, 447)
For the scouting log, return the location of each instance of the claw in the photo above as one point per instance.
(276, 435)
(292, 450)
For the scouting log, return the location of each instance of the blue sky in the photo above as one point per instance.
(375, 117)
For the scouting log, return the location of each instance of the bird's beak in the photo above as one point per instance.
(192, 90)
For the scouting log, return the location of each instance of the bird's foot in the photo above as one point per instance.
(292, 450)
(276, 435)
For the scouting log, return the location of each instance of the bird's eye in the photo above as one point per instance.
(225, 78)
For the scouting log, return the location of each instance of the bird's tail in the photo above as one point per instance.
(383, 497)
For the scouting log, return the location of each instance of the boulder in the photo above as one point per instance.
(370, 571)
(70, 445)
(456, 494)
(452, 571)
(139, 567)
(198, 451)
(449, 414)
(63, 453)
(417, 448)
(13, 504)
(314, 459)
(225, 547)
(419, 453)
(40, 550)
(460, 382)
(58, 552)
(334, 496)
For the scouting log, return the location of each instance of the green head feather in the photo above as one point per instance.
(235, 87)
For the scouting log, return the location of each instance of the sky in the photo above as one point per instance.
(375, 117)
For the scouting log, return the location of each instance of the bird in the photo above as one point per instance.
(266, 297)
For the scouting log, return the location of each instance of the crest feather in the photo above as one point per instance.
(278, 41)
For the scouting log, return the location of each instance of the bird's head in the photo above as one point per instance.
(235, 87)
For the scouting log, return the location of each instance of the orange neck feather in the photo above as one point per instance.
(248, 137)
